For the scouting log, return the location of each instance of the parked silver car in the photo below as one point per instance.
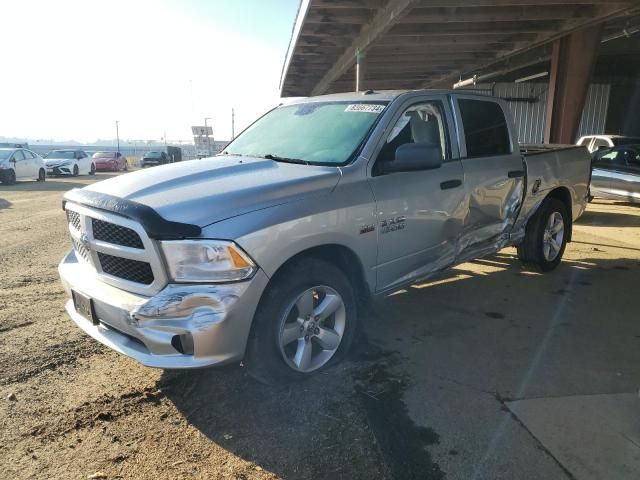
(616, 173)
(268, 251)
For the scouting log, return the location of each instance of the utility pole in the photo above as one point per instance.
(117, 135)
(233, 124)
(206, 132)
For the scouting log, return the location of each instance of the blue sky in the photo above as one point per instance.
(153, 65)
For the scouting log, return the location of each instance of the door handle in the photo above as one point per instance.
(450, 184)
(515, 174)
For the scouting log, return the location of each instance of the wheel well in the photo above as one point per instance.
(342, 257)
(563, 194)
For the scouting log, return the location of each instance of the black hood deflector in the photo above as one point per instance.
(156, 227)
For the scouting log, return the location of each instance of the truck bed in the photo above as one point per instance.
(549, 167)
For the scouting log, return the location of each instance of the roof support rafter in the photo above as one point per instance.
(384, 19)
(603, 12)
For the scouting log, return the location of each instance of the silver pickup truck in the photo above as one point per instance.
(269, 250)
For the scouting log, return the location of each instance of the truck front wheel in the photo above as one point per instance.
(305, 322)
(546, 236)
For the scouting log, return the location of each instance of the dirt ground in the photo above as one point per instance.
(70, 408)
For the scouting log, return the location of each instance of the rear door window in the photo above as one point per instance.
(486, 132)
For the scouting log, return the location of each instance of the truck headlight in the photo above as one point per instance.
(206, 261)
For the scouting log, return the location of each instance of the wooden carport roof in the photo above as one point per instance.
(424, 43)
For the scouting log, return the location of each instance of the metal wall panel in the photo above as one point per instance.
(528, 103)
(594, 115)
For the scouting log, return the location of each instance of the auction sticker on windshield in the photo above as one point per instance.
(365, 108)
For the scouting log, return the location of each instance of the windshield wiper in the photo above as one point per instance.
(276, 158)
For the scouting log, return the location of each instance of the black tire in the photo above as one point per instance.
(10, 178)
(93, 169)
(42, 176)
(76, 171)
(531, 250)
(264, 359)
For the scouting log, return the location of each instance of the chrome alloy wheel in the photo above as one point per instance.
(553, 237)
(312, 328)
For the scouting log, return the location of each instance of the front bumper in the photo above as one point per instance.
(182, 326)
(106, 167)
(60, 170)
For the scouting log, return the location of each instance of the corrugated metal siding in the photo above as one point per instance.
(594, 115)
(530, 117)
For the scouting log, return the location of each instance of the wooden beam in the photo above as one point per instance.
(314, 41)
(517, 3)
(408, 58)
(572, 64)
(329, 30)
(605, 11)
(462, 29)
(339, 4)
(430, 41)
(480, 48)
(355, 16)
(384, 19)
(497, 14)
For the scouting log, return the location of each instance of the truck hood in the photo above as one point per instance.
(202, 192)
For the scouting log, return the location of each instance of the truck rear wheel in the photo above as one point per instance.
(546, 236)
(305, 322)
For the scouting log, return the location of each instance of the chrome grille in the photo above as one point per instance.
(80, 248)
(74, 219)
(117, 248)
(131, 270)
(116, 234)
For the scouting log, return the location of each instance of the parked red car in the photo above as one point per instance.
(110, 162)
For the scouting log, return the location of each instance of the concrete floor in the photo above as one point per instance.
(525, 375)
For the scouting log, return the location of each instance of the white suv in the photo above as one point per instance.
(597, 142)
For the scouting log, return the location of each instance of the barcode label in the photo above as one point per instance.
(365, 108)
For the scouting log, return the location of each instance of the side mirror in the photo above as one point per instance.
(412, 157)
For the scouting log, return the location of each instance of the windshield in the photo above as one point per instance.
(4, 154)
(321, 133)
(153, 155)
(60, 154)
(104, 155)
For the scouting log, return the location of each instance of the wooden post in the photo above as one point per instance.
(572, 63)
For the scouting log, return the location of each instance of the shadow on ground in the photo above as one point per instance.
(597, 218)
(351, 421)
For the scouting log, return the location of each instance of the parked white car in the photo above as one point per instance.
(69, 162)
(20, 164)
